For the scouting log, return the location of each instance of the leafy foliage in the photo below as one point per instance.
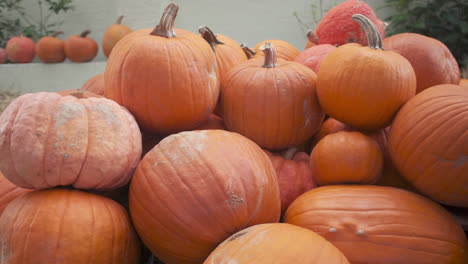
(14, 20)
(446, 21)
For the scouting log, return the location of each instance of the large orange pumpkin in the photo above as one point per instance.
(365, 86)
(81, 48)
(195, 189)
(9, 192)
(429, 143)
(113, 34)
(385, 225)
(276, 243)
(67, 226)
(284, 50)
(47, 140)
(271, 101)
(432, 61)
(51, 49)
(95, 84)
(167, 78)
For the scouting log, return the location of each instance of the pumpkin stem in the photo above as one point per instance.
(85, 33)
(312, 36)
(373, 35)
(165, 28)
(248, 51)
(56, 33)
(289, 153)
(119, 20)
(209, 36)
(270, 55)
(78, 94)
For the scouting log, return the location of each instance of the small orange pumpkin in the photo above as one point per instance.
(114, 34)
(51, 49)
(284, 50)
(95, 84)
(80, 48)
(364, 87)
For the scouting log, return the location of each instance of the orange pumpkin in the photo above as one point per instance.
(49, 140)
(67, 226)
(364, 87)
(9, 192)
(51, 49)
(113, 35)
(312, 39)
(314, 56)
(330, 126)
(293, 173)
(20, 49)
(80, 48)
(429, 143)
(374, 224)
(271, 101)
(95, 85)
(346, 157)
(276, 243)
(195, 189)
(432, 61)
(284, 50)
(169, 79)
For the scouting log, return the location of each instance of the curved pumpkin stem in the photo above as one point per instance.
(248, 51)
(209, 36)
(373, 35)
(85, 33)
(56, 33)
(312, 37)
(165, 28)
(119, 20)
(270, 55)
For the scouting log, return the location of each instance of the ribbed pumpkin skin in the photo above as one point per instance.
(195, 189)
(50, 49)
(276, 243)
(429, 143)
(67, 226)
(9, 192)
(432, 61)
(95, 84)
(314, 56)
(384, 225)
(49, 140)
(275, 107)
(168, 84)
(284, 50)
(364, 88)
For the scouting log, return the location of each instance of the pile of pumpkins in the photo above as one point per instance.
(51, 49)
(200, 150)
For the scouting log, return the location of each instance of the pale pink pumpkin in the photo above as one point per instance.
(49, 140)
(313, 56)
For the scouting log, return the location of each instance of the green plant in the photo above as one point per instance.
(15, 20)
(446, 21)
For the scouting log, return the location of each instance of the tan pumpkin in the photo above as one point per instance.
(271, 101)
(284, 50)
(429, 143)
(67, 226)
(49, 140)
(276, 243)
(195, 189)
(374, 224)
(9, 192)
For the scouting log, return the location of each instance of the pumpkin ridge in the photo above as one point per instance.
(80, 172)
(62, 218)
(2, 245)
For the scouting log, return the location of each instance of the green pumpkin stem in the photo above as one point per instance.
(248, 51)
(373, 35)
(270, 55)
(165, 28)
(85, 33)
(209, 36)
(119, 20)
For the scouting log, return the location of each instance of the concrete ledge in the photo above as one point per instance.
(39, 77)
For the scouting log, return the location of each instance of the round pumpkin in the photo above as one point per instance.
(195, 189)
(375, 224)
(364, 87)
(51, 49)
(346, 157)
(429, 143)
(312, 39)
(9, 192)
(330, 126)
(284, 50)
(3, 56)
(432, 61)
(49, 140)
(95, 84)
(271, 101)
(314, 56)
(338, 28)
(81, 48)
(20, 49)
(113, 34)
(293, 173)
(276, 243)
(67, 226)
(169, 79)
